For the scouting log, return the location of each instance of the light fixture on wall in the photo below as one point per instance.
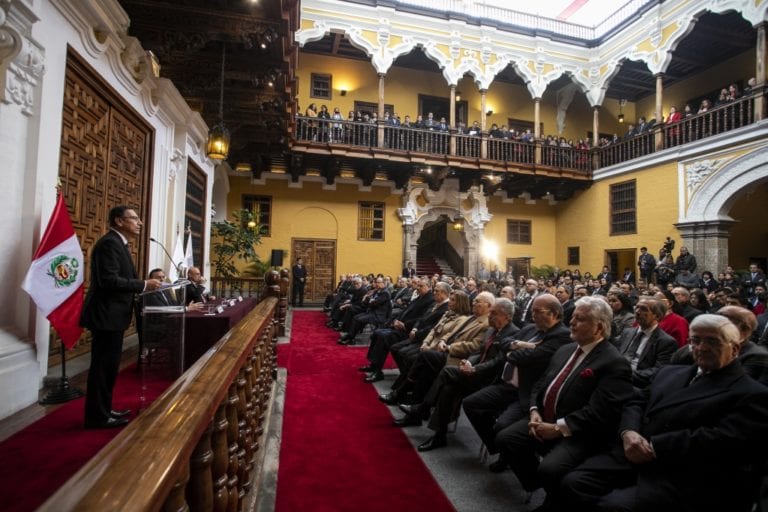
(343, 92)
(217, 147)
(489, 113)
(621, 114)
(458, 219)
(458, 95)
(243, 167)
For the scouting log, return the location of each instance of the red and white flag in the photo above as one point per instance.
(55, 278)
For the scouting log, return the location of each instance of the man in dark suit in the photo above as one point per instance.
(690, 441)
(409, 271)
(446, 391)
(299, 274)
(605, 274)
(107, 313)
(494, 407)
(646, 263)
(575, 406)
(196, 289)
(628, 276)
(376, 309)
(399, 329)
(647, 348)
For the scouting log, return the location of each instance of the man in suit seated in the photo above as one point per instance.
(575, 406)
(647, 348)
(690, 441)
(446, 391)
(399, 329)
(376, 309)
(195, 289)
(501, 389)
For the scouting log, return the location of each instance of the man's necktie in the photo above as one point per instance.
(510, 374)
(487, 346)
(634, 345)
(550, 400)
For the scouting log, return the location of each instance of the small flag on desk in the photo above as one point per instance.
(189, 260)
(175, 272)
(55, 277)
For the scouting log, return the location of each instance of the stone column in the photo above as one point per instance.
(537, 128)
(595, 126)
(453, 123)
(659, 137)
(760, 71)
(380, 127)
(708, 241)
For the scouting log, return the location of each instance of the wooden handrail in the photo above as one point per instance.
(204, 430)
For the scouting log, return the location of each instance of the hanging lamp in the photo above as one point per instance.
(217, 147)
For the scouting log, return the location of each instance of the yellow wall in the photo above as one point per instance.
(584, 221)
(542, 217)
(311, 212)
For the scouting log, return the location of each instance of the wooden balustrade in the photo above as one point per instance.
(195, 447)
(232, 287)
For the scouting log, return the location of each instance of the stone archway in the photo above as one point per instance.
(711, 186)
(423, 206)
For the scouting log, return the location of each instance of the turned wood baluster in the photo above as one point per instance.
(244, 436)
(252, 399)
(176, 502)
(220, 458)
(258, 390)
(200, 485)
(232, 448)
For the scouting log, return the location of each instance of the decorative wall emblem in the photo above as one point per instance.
(697, 172)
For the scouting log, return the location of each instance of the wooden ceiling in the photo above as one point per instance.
(189, 38)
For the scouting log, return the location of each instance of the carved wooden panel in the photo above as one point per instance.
(320, 259)
(105, 161)
(194, 211)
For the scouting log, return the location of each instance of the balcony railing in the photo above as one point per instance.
(493, 151)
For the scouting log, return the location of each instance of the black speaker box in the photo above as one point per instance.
(277, 258)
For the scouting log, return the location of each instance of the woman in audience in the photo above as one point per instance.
(672, 323)
(699, 300)
(623, 313)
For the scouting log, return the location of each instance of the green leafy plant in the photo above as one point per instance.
(542, 272)
(256, 269)
(235, 240)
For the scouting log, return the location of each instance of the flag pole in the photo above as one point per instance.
(63, 392)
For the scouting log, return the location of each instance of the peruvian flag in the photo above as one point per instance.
(55, 278)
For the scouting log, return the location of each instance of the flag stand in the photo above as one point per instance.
(63, 392)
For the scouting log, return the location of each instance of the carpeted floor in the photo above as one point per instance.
(339, 451)
(40, 458)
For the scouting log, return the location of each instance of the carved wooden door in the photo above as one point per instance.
(320, 259)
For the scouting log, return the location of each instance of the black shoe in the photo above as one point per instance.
(108, 423)
(366, 369)
(499, 466)
(373, 377)
(390, 398)
(436, 441)
(410, 409)
(407, 421)
(120, 414)
(329, 323)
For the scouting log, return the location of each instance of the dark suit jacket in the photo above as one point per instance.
(705, 433)
(299, 272)
(590, 402)
(531, 362)
(628, 277)
(497, 348)
(657, 352)
(415, 310)
(109, 303)
(194, 293)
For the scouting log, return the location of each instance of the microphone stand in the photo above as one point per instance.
(178, 270)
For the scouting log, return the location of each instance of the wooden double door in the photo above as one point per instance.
(320, 259)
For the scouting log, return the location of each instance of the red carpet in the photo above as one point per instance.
(40, 458)
(339, 449)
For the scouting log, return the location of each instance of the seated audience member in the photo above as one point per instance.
(506, 400)
(449, 348)
(683, 307)
(406, 352)
(350, 303)
(753, 357)
(686, 279)
(647, 347)
(688, 442)
(563, 294)
(672, 323)
(446, 393)
(376, 310)
(575, 406)
(623, 313)
(699, 300)
(398, 329)
(708, 282)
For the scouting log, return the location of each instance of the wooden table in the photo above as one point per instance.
(202, 331)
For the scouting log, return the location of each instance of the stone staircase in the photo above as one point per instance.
(429, 265)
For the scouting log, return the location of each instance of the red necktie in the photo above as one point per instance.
(488, 346)
(550, 399)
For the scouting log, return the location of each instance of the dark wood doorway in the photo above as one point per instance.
(440, 107)
(320, 259)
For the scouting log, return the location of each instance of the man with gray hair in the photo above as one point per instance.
(690, 441)
(575, 407)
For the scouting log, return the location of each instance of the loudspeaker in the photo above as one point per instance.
(277, 258)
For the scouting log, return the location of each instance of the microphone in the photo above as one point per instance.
(178, 270)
